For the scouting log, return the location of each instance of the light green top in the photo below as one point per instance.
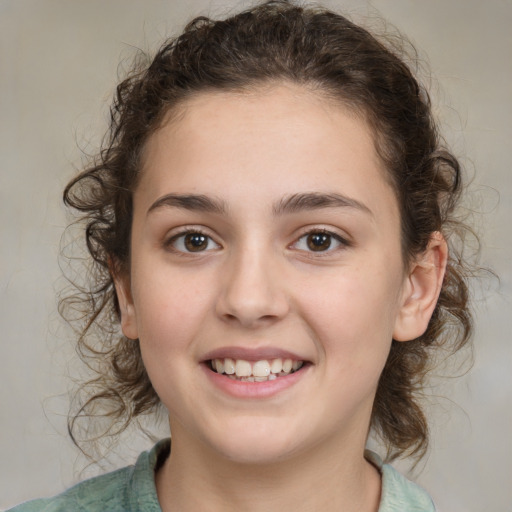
(132, 489)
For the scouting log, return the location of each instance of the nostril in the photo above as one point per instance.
(248, 321)
(249, 294)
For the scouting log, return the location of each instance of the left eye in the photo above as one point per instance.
(318, 241)
(193, 242)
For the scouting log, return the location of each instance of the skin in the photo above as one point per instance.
(257, 286)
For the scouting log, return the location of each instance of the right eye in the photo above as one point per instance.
(192, 241)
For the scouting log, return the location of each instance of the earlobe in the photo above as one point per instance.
(126, 306)
(421, 290)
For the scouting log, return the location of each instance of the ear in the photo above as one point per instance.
(124, 296)
(421, 290)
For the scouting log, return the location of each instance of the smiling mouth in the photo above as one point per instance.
(257, 371)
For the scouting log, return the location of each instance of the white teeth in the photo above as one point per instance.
(261, 369)
(219, 366)
(229, 366)
(243, 368)
(287, 365)
(276, 366)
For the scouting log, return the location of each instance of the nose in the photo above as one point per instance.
(253, 291)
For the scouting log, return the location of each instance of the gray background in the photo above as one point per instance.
(58, 67)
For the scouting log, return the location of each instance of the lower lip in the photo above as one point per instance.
(265, 389)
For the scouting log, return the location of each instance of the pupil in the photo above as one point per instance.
(319, 241)
(195, 242)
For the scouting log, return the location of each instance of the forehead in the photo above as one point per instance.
(271, 141)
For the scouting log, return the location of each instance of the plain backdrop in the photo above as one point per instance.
(58, 69)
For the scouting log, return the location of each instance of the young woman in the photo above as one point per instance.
(268, 224)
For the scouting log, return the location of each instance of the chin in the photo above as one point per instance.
(258, 445)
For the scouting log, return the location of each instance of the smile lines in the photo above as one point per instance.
(259, 371)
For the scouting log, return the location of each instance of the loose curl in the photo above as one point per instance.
(326, 53)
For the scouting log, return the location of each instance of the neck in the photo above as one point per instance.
(194, 477)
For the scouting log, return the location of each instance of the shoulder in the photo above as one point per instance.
(128, 489)
(399, 493)
(104, 492)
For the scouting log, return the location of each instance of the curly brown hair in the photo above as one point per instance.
(324, 51)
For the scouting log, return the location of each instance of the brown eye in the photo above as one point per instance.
(192, 241)
(319, 241)
(195, 242)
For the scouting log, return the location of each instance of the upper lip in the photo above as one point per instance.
(251, 354)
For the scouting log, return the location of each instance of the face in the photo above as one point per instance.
(266, 279)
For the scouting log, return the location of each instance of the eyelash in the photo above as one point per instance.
(340, 241)
(171, 243)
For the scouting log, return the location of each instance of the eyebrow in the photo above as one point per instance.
(317, 200)
(192, 202)
(290, 204)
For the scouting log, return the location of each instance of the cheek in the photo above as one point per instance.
(170, 313)
(169, 310)
(353, 315)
